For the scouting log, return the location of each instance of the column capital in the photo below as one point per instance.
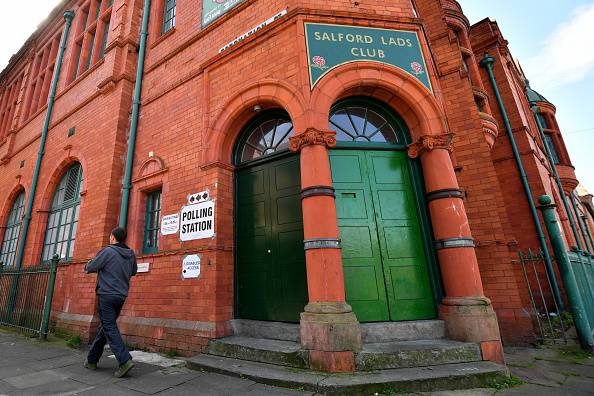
(431, 142)
(312, 137)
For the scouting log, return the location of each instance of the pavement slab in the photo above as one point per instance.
(158, 381)
(36, 379)
(213, 384)
(109, 390)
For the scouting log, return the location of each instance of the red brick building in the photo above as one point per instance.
(354, 153)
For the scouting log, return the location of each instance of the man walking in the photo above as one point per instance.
(115, 265)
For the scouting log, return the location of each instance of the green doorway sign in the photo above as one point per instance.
(214, 9)
(329, 46)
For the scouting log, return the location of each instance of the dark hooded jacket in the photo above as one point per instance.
(115, 265)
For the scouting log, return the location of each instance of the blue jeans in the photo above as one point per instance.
(109, 310)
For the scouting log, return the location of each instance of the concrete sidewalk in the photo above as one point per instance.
(30, 367)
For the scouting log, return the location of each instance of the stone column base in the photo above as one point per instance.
(472, 319)
(332, 334)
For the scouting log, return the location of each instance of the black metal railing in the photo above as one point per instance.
(545, 312)
(26, 295)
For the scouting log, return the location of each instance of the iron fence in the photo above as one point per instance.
(25, 297)
(545, 311)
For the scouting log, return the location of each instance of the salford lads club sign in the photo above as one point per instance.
(329, 46)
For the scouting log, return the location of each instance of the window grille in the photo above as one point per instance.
(152, 222)
(63, 217)
(554, 154)
(12, 231)
(91, 38)
(168, 16)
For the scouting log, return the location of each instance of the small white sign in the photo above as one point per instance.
(200, 197)
(170, 224)
(197, 221)
(253, 30)
(143, 267)
(191, 266)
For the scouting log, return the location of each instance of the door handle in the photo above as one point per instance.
(349, 195)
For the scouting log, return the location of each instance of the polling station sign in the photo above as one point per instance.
(214, 9)
(330, 46)
(197, 221)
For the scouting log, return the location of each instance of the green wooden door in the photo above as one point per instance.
(270, 261)
(386, 274)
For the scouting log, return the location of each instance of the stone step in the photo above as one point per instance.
(402, 331)
(284, 353)
(407, 380)
(270, 330)
(420, 353)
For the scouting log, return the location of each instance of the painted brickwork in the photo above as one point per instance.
(195, 102)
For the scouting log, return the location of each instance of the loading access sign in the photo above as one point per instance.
(197, 221)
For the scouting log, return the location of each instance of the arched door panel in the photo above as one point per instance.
(383, 248)
(270, 260)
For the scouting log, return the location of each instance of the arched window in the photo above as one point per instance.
(12, 231)
(63, 218)
(266, 135)
(363, 120)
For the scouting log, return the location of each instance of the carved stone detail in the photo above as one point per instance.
(312, 137)
(431, 142)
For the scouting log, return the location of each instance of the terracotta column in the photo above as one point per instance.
(467, 313)
(329, 328)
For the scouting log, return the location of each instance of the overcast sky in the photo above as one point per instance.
(554, 41)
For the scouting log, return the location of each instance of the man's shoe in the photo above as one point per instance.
(124, 369)
(90, 366)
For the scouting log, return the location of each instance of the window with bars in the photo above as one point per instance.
(543, 121)
(168, 16)
(62, 221)
(42, 72)
(152, 222)
(551, 144)
(364, 121)
(8, 102)
(266, 135)
(12, 231)
(92, 32)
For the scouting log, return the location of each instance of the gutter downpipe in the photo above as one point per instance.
(585, 221)
(579, 220)
(127, 183)
(535, 111)
(487, 62)
(68, 16)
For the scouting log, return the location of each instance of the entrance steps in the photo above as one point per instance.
(394, 381)
(268, 330)
(404, 356)
(283, 353)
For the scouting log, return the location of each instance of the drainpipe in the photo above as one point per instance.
(487, 62)
(585, 221)
(578, 307)
(127, 183)
(577, 216)
(68, 16)
(535, 110)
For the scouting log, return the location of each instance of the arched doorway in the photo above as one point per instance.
(389, 271)
(271, 281)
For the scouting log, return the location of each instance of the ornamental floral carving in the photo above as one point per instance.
(312, 137)
(431, 142)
